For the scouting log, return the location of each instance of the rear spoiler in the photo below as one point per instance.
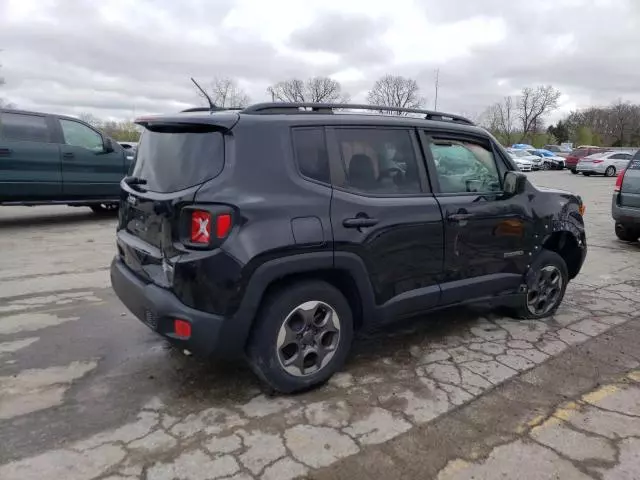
(224, 121)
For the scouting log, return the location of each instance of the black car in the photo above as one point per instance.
(277, 231)
(625, 207)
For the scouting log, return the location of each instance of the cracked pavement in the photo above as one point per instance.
(87, 392)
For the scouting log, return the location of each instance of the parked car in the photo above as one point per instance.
(549, 161)
(574, 157)
(522, 146)
(604, 163)
(275, 232)
(625, 207)
(558, 150)
(524, 161)
(53, 159)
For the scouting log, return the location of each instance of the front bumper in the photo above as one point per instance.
(158, 308)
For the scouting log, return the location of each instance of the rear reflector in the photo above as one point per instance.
(582, 208)
(223, 225)
(200, 227)
(619, 181)
(182, 328)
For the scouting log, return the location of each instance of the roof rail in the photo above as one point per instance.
(308, 107)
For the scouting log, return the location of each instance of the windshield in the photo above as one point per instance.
(173, 158)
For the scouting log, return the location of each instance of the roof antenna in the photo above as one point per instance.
(212, 105)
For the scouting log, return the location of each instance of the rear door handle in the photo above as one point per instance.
(5, 152)
(68, 155)
(359, 222)
(459, 217)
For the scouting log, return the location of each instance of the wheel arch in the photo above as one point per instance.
(568, 246)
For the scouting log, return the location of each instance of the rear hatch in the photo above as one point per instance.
(630, 189)
(173, 161)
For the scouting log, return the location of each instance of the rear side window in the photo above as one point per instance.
(172, 158)
(311, 153)
(464, 167)
(377, 161)
(24, 127)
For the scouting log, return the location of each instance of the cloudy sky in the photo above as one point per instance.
(120, 58)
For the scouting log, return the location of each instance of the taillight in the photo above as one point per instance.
(618, 185)
(205, 225)
(200, 227)
(598, 161)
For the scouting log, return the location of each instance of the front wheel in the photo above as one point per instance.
(610, 171)
(302, 336)
(574, 171)
(547, 281)
(546, 166)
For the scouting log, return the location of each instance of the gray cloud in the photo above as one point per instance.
(79, 60)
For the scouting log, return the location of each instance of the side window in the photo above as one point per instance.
(311, 153)
(23, 127)
(377, 161)
(464, 167)
(79, 135)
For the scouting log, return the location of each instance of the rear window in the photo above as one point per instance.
(173, 158)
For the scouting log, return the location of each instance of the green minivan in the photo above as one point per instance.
(53, 159)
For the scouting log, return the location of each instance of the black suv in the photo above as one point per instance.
(277, 231)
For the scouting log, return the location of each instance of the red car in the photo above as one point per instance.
(574, 157)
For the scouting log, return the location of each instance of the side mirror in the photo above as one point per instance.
(514, 183)
(108, 145)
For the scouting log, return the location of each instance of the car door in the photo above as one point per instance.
(29, 158)
(383, 211)
(487, 234)
(621, 160)
(92, 166)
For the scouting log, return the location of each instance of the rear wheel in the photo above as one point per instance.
(546, 283)
(104, 208)
(574, 171)
(546, 166)
(627, 233)
(610, 171)
(302, 336)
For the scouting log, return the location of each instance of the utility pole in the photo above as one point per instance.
(435, 102)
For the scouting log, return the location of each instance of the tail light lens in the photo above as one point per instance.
(618, 186)
(205, 226)
(598, 161)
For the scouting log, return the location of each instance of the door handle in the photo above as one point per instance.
(359, 222)
(459, 217)
(68, 155)
(5, 152)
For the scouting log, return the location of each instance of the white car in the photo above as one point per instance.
(604, 163)
(524, 160)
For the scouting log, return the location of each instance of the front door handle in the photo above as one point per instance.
(459, 217)
(5, 152)
(359, 222)
(68, 155)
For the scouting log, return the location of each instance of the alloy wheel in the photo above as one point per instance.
(545, 291)
(610, 171)
(308, 338)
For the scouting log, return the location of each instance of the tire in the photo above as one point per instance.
(545, 166)
(610, 171)
(280, 317)
(574, 171)
(625, 233)
(104, 208)
(586, 174)
(547, 267)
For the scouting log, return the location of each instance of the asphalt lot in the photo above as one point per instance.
(88, 392)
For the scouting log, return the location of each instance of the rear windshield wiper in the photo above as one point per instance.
(135, 182)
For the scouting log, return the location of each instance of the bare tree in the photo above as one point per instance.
(226, 93)
(314, 90)
(3, 102)
(90, 119)
(396, 91)
(533, 105)
(500, 119)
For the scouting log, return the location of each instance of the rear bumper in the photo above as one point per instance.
(624, 215)
(211, 335)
